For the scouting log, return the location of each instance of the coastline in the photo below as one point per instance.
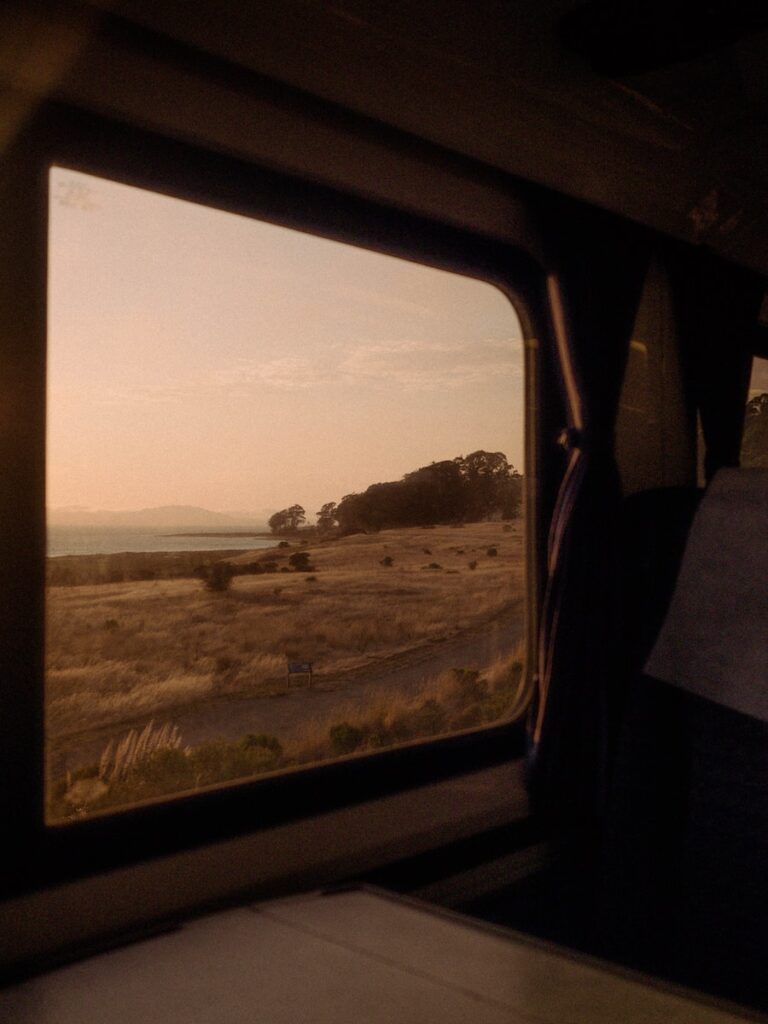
(224, 533)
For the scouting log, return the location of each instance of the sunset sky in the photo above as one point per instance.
(201, 358)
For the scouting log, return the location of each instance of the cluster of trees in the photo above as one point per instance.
(287, 520)
(466, 489)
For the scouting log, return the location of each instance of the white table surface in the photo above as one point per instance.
(351, 956)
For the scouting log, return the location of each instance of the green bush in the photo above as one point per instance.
(469, 717)
(300, 561)
(168, 768)
(217, 577)
(219, 761)
(345, 738)
(265, 740)
(429, 718)
(468, 687)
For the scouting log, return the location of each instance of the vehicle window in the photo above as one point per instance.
(754, 443)
(284, 480)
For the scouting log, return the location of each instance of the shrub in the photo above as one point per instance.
(472, 565)
(402, 727)
(466, 719)
(217, 577)
(492, 552)
(345, 738)
(468, 688)
(507, 528)
(167, 767)
(434, 565)
(387, 560)
(311, 579)
(283, 544)
(250, 568)
(219, 761)
(429, 718)
(426, 551)
(300, 561)
(111, 625)
(265, 740)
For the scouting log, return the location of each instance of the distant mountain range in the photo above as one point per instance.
(165, 516)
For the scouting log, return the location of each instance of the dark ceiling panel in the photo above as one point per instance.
(491, 80)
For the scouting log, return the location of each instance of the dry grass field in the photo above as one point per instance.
(118, 653)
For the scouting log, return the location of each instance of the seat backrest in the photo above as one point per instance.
(686, 847)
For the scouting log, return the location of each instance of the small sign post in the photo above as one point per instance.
(302, 669)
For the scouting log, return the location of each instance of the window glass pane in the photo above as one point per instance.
(754, 444)
(284, 483)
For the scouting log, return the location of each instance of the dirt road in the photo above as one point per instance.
(282, 715)
(328, 701)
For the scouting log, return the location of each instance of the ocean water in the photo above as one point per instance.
(106, 540)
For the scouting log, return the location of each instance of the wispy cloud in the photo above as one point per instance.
(403, 364)
(287, 373)
(432, 366)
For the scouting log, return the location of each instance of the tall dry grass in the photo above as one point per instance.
(116, 652)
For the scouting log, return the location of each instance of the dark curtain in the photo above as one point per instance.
(717, 306)
(594, 296)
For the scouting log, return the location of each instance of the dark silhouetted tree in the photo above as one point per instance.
(287, 520)
(327, 519)
(481, 486)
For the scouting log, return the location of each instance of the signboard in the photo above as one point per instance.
(300, 669)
